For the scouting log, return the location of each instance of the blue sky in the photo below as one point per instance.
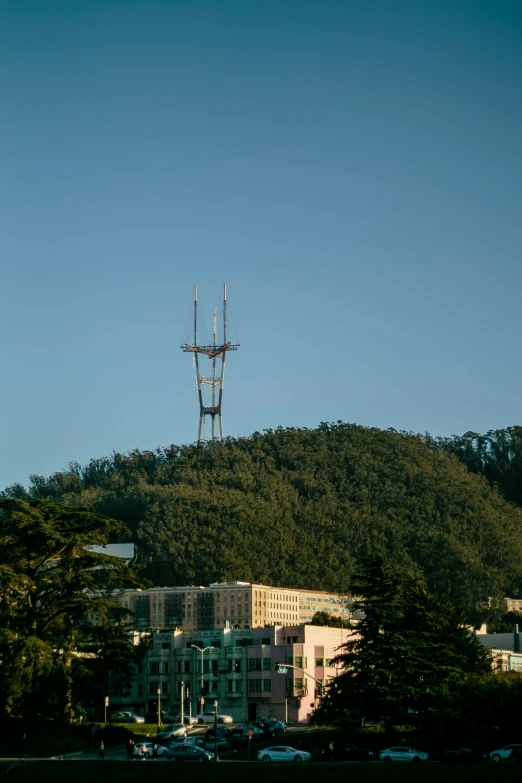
(350, 168)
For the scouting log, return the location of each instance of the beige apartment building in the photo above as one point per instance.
(228, 604)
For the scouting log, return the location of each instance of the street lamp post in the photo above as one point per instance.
(215, 732)
(159, 709)
(182, 702)
(201, 698)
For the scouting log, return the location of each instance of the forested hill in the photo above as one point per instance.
(299, 507)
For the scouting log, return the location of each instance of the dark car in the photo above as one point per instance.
(186, 752)
(457, 754)
(272, 727)
(223, 745)
(516, 755)
(243, 732)
(343, 751)
(223, 732)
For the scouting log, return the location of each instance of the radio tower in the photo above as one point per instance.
(216, 353)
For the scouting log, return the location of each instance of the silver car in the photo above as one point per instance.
(146, 749)
(283, 753)
(403, 753)
(126, 717)
(503, 753)
(172, 730)
(208, 717)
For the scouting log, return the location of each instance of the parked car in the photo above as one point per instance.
(272, 727)
(516, 755)
(175, 717)
(196, 741)
(342, 751)
(283, 753)
(172, 730)
(504, 753)
(243, 731)
(456, 754)
(188, 752)
(139, 747)
(208, 717)
(223, 732)
(403, 753)
(223, 745)
(126, 717)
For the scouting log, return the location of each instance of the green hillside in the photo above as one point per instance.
(299, 507)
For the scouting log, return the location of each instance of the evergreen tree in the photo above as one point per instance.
(55, 611)
(408, 646)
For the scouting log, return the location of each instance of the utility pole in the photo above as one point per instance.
(159, 709)
(201, 697)
(217, 353)
(182, 702)
(215, 732)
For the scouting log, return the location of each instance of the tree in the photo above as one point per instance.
(326, 618)
(56, 614)
(408, 646)
(302, 507)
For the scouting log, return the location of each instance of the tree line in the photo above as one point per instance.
(303, 507)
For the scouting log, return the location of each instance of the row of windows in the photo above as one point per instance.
(159, 667)
(259, 664)
(259, 685)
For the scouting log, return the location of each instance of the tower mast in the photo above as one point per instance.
(217, 353)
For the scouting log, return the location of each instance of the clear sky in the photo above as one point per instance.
(352, 169)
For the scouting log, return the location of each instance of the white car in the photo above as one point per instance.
(208, 717)
(147, 747)
(283, 753)
(503, 753)
(127, 717)
(403, 753)
(172, 730)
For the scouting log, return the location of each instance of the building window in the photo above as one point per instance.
(154, 667)
(265, 640)
(254, 686)
(164, 667)
(319, 661)
(153, 687)
(254, 664)
(140, 690)
(267, 685)
(298, 682)
(165, 645)
(233, 686)
(164, 688)
(267, 664)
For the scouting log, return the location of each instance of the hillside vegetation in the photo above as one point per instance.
(298, 507)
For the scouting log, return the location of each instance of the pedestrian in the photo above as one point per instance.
(101, 753)
(143, 751)
(130, 749)
(154, 751)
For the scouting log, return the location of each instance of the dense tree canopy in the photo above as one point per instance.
(408, 649)
(60, 634)
(300, 507)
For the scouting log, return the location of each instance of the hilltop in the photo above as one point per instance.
(300, 507)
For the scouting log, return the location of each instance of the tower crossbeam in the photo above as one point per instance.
(217, 353)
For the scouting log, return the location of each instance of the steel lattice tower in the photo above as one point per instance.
(217, 353)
